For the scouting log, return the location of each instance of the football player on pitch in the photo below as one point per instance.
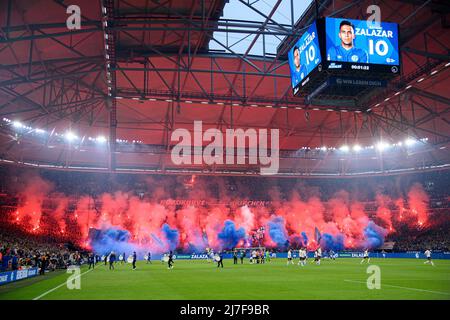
(366, 257)
(428, 255)
(289, 257)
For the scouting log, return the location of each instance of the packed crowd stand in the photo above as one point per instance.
(20, 250)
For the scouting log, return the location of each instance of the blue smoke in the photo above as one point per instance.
(158, 240)
(295, 240)
(305, 238)
(229, 236)
(105, 241)
(374, 235)
(328, 242)
(197, 242)
(172, 236)
(277, 231)
(192, 248)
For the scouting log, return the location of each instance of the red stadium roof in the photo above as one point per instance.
(137, 70)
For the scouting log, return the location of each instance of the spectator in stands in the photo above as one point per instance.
(19, 250)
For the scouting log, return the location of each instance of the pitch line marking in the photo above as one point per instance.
(57, 287)
(406, 288)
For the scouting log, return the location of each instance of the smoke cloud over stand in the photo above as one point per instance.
(126, 222)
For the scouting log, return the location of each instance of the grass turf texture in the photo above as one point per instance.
(190, 279)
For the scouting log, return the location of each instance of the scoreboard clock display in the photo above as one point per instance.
(343, 48)
(361, 45)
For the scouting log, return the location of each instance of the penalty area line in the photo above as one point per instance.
(57, 287)
(406, 288)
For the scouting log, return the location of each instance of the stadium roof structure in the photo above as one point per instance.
(137, 70)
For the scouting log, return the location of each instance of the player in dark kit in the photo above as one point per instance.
(235, 257)
(220, 262)
(134, 260)
(112, 259)
(91, 260)
(170, 262)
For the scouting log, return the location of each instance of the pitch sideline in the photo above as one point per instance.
(59, 286)
(406, 288)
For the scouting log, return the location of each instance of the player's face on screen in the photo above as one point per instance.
(297, 59)
(347, 36)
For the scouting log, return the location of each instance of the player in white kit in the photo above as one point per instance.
(253, 257)
(302, 255)
(318, 255)
(428, 255)
(211, 255)
(365, 256)
(289, 257)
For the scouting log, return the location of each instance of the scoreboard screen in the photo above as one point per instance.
(304, 57)
(361, 45)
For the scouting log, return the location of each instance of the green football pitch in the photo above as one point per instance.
(190, 279)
